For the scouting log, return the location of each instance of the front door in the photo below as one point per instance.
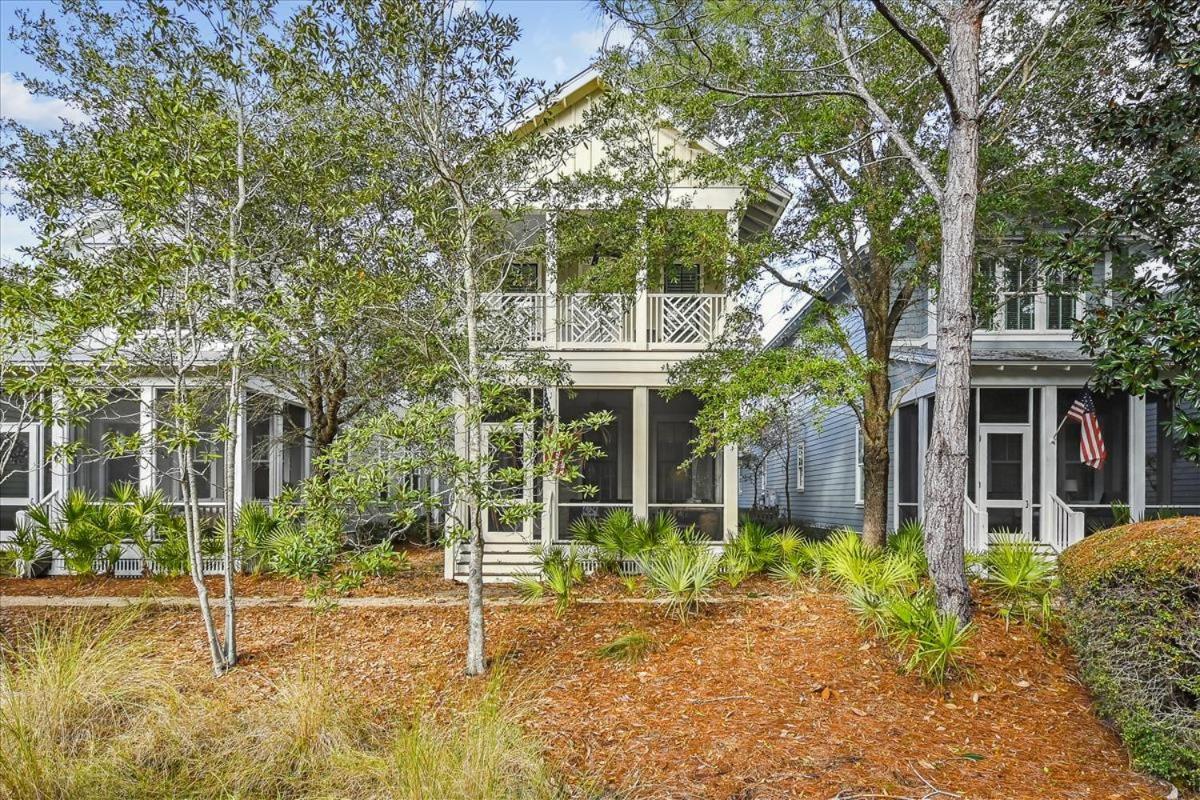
(18, 474)
(1007, 477)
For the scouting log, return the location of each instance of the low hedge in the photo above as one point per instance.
(1133, 618)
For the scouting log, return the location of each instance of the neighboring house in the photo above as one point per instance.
(273, 453)
(1024, 473)
(619, 350)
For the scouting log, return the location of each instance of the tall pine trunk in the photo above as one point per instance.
(946, 460)
(476, 458)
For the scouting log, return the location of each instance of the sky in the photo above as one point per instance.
(559, 38)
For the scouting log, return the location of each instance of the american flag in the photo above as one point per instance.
(1091, 442)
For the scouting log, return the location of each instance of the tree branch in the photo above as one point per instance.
(925, 53)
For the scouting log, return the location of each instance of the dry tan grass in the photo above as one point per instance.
(88, 710)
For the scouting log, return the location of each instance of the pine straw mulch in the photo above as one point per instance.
(754, 699)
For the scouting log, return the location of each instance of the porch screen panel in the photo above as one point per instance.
(612, 473)
(102, 462)
(1090, 490)
(208, 462)
(686, 487)
(1172, 482)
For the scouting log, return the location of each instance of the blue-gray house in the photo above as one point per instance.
(1025, 474)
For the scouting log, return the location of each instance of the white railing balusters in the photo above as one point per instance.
(525, 312)
(685, 319)
(974, 535)
(595, 319)
(1066, 524)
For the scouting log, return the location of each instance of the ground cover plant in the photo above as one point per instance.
(1133, 618)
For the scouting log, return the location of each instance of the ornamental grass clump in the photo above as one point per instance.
(89, 709)
(1020, 576)
(1132, 613)
(560, 571)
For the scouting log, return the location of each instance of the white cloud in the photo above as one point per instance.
(591, 41)
(16, 103)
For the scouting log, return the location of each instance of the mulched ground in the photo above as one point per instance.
(756, 699)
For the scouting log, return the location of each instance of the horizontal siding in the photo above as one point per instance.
(914, 323)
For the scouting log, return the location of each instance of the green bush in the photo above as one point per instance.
(1020, 576)
(380, 561)
(683, 573)
(560, 570)
(301, 551)
(1132, 613)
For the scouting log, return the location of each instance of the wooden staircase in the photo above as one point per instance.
(504, 555)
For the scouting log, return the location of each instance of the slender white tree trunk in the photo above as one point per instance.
(946, 460)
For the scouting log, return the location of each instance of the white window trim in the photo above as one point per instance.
(800, 459)
(859, 498)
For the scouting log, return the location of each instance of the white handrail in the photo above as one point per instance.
(974, 537)
(1066, 524)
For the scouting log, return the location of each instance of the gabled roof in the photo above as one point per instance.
(760, 216)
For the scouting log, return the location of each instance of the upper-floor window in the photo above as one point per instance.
(522, 277)
(682, 279)
(1029, 298)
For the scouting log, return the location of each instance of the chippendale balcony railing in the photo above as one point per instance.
(616, 322)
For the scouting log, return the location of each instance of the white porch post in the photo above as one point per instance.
(59, 437)
(922, 435)
(641, 451)
(729, 489)
(240, 460)
(147, 477)
(641, 304)
(1049, 452)
(551, 290)
(550, 485)
(1137, 457)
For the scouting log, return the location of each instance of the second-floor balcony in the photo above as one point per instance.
(613, 321)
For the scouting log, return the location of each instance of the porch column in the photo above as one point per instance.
(1049, 454)
(551, 277)
(550, 485)
(1137, 457)
(641, 304)
(641, 451)
(729, 489)
(240, 452)
(146, 474)
(59, 437)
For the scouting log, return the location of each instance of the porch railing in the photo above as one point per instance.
(685, 318)
(1066, 524)
(974, 528)
(523, 313)
(595, 319)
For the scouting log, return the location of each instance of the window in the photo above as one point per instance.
(800, 466)
(522, 277)
(1062, 295)
(858, 465)
(682, 279)
(1018, 285)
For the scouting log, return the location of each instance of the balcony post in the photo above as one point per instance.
(550, 297)
(1137, 457)
(641, 305)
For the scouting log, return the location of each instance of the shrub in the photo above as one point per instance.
(630, 647)
(1019, 576)
(29, 551)
(682, 573)
(908, 542)
(301, 551)
(1133, 618)
(560, 570)
(380, 561)
(255, 527)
